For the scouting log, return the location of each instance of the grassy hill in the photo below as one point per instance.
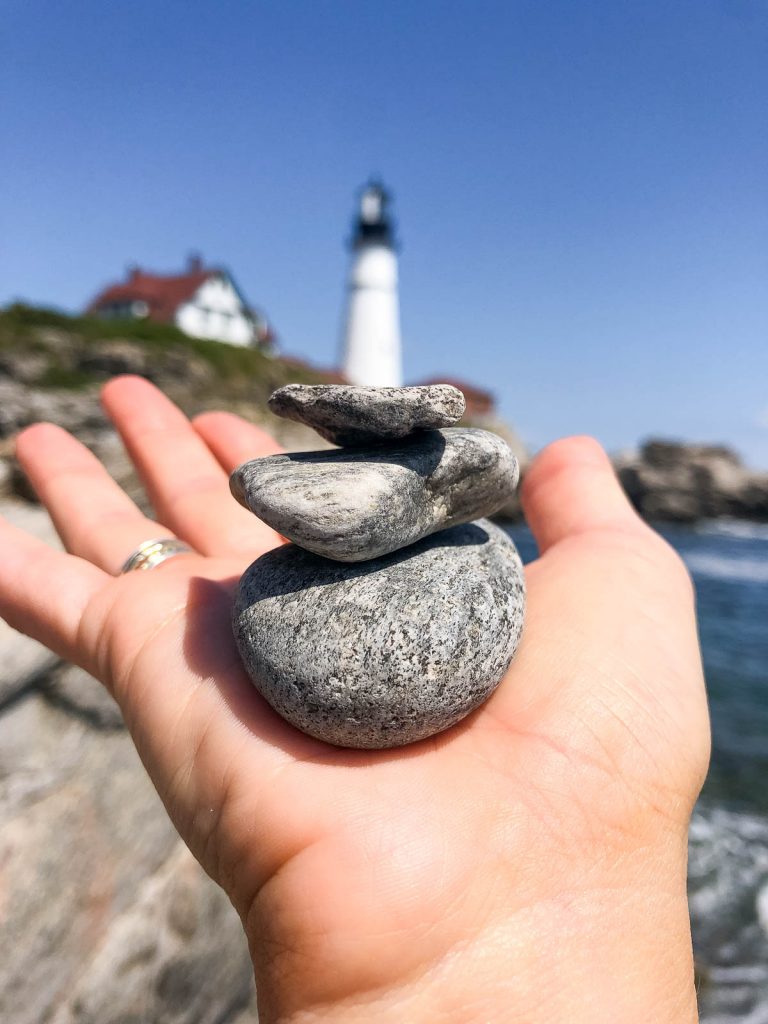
(49, 349)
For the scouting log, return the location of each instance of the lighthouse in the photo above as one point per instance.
(372, 327)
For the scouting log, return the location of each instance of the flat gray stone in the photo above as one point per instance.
(386, 653)
(356, 504)
(348, 415)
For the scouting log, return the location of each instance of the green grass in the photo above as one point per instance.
(19, 320)
(62, 377)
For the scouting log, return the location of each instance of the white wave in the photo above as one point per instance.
(727, 886)
(761, 907)
(724, 567)
(740, 528)
(739, 974)
(728, 861)
(758, 1015)
(727, 881)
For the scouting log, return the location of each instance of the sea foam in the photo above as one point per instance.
(734, 528)
(727, 567)
(728, 888)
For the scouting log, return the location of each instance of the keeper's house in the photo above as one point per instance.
(203, 302)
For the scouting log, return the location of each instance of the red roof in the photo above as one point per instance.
(162, 293)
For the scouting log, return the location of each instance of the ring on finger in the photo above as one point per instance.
(154, 552)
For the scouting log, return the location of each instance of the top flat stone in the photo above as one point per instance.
(349, 415)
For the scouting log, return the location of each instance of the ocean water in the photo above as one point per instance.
(728, 853)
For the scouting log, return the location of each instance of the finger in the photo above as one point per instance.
(43, 592)
(234, 440)
(186, 485)
(571, 488)
(95, 519)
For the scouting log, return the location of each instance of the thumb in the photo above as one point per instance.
(571, 488)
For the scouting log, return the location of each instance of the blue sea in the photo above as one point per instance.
(728, 859)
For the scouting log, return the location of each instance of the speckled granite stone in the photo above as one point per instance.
(348, 415)
(388, 652)
(362, 503)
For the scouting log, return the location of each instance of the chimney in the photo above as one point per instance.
(194, 263)
(133, 271)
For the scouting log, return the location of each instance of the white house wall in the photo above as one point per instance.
(215, 311)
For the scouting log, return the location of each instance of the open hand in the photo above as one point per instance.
(526, 866)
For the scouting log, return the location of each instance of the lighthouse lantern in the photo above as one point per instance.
(372, 329)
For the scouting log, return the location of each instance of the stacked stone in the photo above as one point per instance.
(397, 609)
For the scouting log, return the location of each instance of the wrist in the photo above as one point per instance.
(616, 950)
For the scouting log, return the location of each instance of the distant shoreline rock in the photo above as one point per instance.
(685, 483)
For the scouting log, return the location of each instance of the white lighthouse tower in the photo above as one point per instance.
(372, 329)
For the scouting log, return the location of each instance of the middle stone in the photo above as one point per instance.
(355, 504)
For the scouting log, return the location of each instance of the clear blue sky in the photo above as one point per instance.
(581, 187)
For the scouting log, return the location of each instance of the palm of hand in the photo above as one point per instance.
(354, 871)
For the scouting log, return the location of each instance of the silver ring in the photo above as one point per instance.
(152, 552)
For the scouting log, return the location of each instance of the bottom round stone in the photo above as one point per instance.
(382, 653)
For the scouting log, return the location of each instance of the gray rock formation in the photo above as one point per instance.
(106, 917)
(362, 503)
(389, 651)
(684, 483)
(349, 415)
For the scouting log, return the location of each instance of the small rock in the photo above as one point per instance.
(385, 653)
(25, 367)
(364, 503)
(6, 475)
(348, 415)
(110, 358)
